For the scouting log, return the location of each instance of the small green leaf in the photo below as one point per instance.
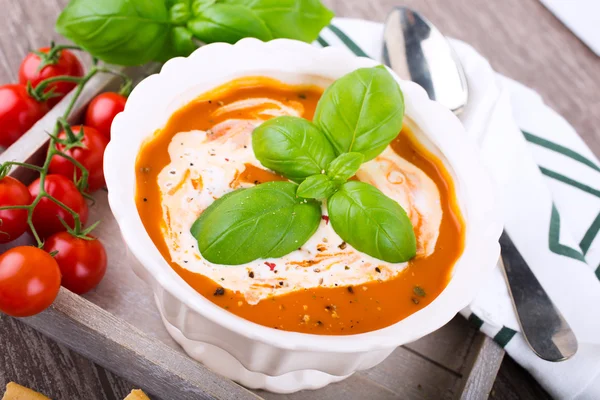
(316, 187)
(199, 5)
(292, 146)
(344, 166)
(180, 12)
(361, 112)
(371, 222)
(265, 221)
(180, 44)
(227, 23)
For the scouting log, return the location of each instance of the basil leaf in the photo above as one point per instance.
(265, 221)
(199, 5)
(292, 146)
(180, 12)
(180, 43)
(316, 187)
(372, 222)
(361, 112)
(292, 19)
(344, 166)
(227, 23)
(124, 32)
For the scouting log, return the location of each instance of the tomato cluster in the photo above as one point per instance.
(30, 277)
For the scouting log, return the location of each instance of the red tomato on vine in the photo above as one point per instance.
(61, 63)
(91, 156)
(29, 281)
(103, 109)
(18, 113)
(46, 214)
(82, 261)
(13, 223)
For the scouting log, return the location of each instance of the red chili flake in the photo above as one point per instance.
(219, 292)
(270, 265)
(326, 219)
(227, 159)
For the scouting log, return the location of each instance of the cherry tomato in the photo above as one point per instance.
(29, 281)
(18, 112)
(13, 223)
(91, 157)
(82, 262)
(67, 64)
(103, 109)
(46, 213)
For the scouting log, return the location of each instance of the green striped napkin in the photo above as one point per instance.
(548, 185)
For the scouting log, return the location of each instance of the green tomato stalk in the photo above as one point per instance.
(72, 140)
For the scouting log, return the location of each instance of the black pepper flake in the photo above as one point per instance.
(350, 289)
(219, 292)
(319, 323)
(302, 96)
(172, 172)
(222, 279)
(377, 269)
(245, 147)
(346, 268)
(185, 261)
(256, 182)
(191, 164)
(251, 274)
(145, 199)
(210, 102)
(280, 283)
(342, 246)
(415, 300)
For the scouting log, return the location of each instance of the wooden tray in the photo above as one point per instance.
(118, 326)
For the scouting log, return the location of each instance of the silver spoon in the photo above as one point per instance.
(417, 51)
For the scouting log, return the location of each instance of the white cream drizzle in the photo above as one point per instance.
(204, 164)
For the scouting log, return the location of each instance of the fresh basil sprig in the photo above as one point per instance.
(292, 147)
(265, 221)
(361, 112)
(133, 32)
(371, 222)
(273, 219)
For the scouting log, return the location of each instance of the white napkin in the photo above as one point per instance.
(548, 183)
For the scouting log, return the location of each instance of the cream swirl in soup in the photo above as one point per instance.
(205, 165)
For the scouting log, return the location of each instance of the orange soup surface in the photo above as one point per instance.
(327, 311)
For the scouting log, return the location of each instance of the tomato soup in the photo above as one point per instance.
(334, 310)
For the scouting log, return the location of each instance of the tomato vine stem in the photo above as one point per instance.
(53, 150)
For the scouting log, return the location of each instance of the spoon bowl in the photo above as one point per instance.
(417, 51)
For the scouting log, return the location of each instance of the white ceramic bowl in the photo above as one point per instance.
(254, 355)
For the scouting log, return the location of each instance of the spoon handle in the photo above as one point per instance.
(543, 326)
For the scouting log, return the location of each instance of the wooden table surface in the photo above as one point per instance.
(522, 40)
